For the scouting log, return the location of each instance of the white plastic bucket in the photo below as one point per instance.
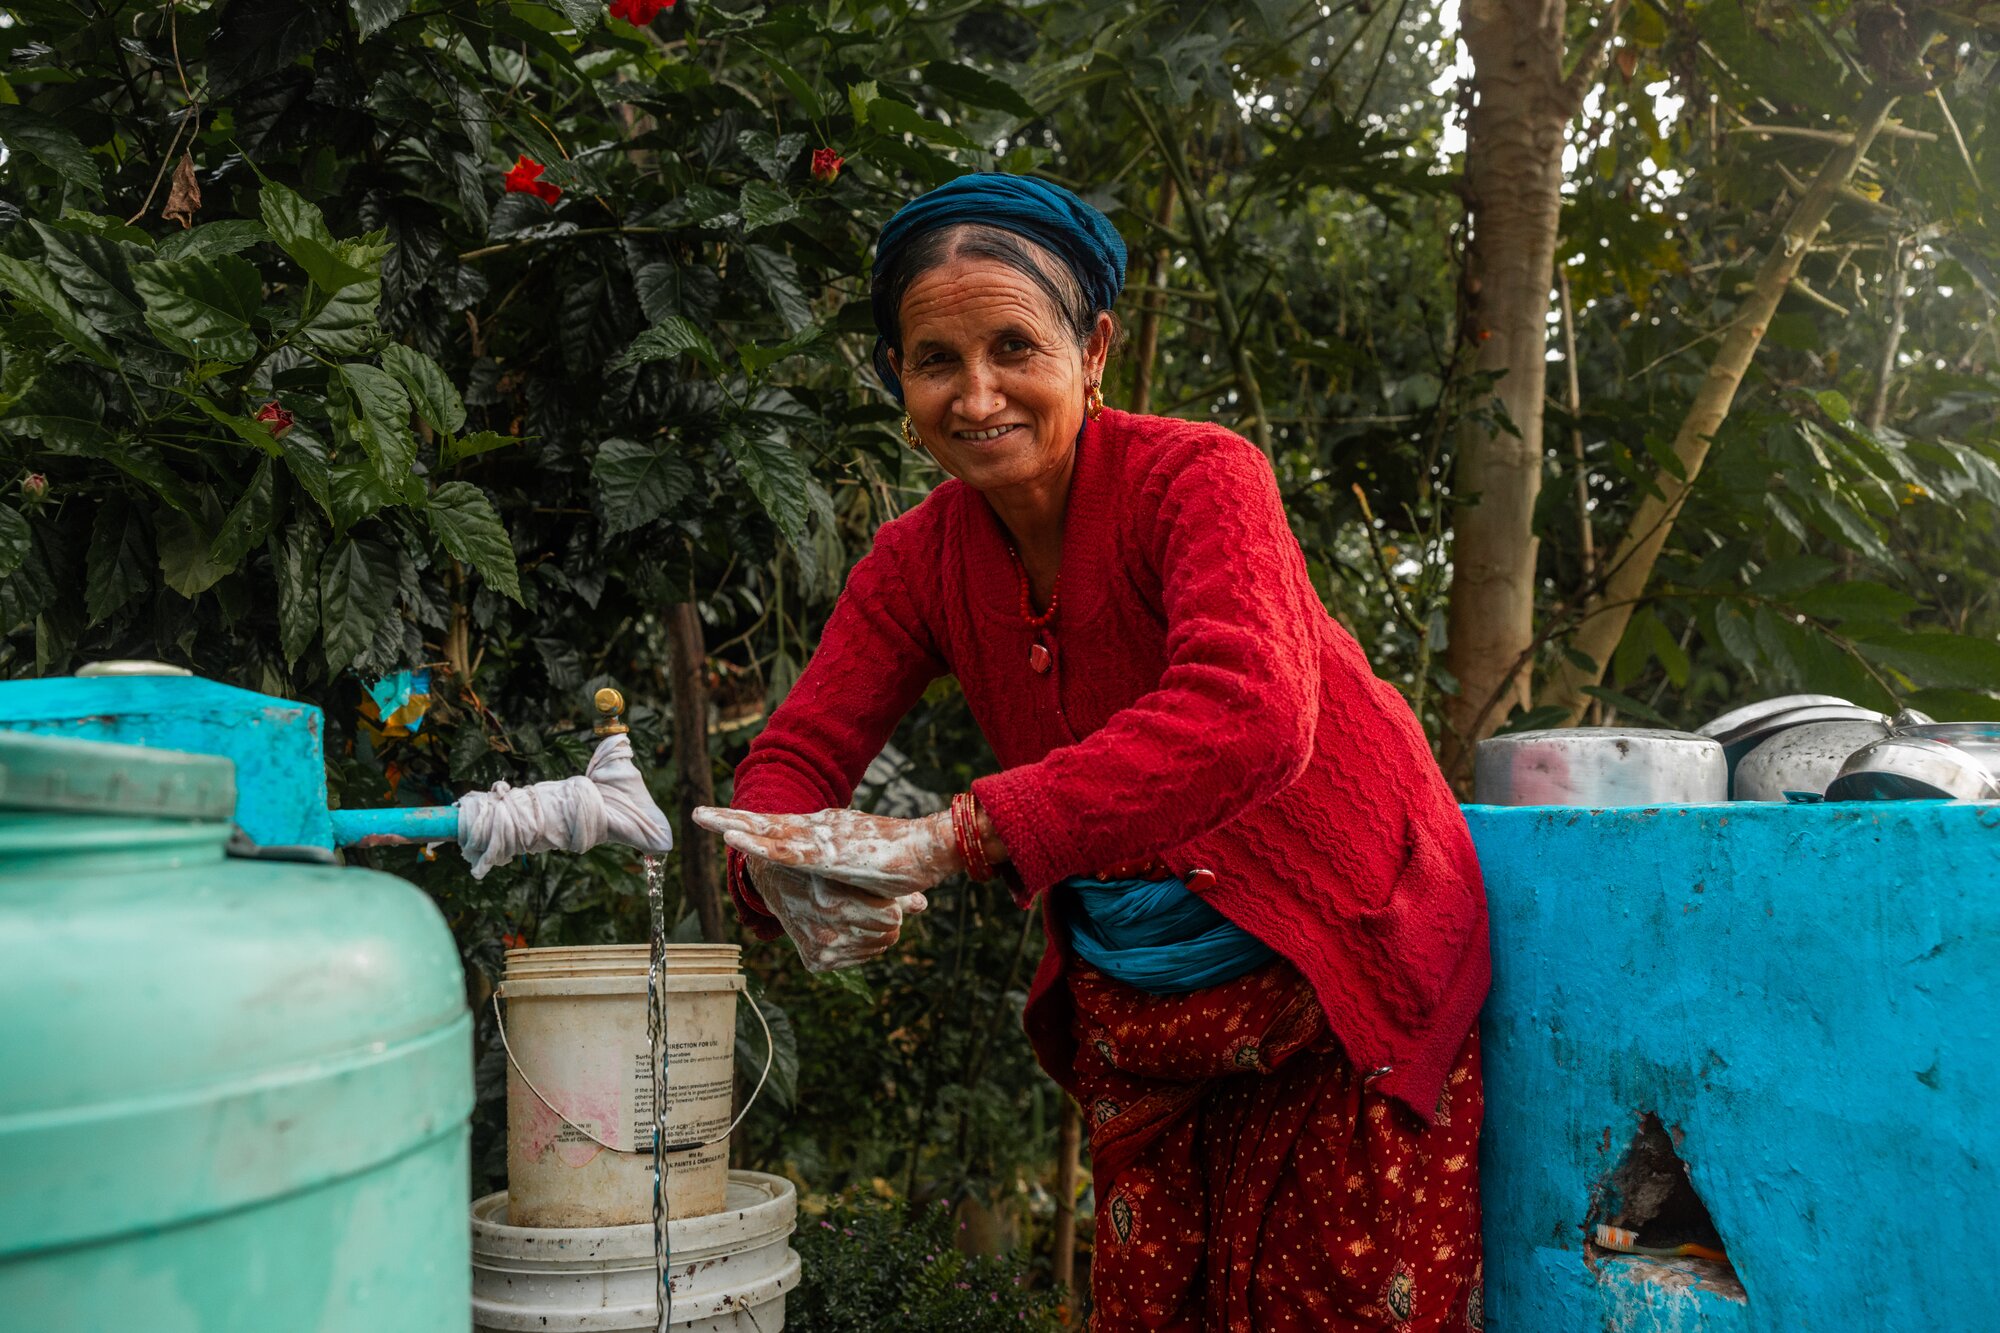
(576, 1028)
(730, 1271)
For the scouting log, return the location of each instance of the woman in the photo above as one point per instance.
(1267, 934)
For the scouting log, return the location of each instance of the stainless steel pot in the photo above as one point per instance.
(1981, 740)
(1600, 766)
(1804, 758)
(1910, 768)
(1753, 719)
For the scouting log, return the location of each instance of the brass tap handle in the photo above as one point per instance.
(611, 704)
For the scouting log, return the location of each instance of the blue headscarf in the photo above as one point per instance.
(1046, 214)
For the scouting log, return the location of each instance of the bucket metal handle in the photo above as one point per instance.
(659, 1112)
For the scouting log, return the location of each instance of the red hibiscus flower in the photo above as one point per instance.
(514, 940)
(826, 165)
(276, 419)
(639, 13)
(524, 178)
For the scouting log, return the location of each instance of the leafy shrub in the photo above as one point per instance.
(872, 1266)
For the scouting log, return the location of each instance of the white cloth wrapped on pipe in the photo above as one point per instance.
(608, 803)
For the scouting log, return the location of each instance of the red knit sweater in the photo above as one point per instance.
(1203, 708)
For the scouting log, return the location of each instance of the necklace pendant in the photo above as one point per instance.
(1039, 659)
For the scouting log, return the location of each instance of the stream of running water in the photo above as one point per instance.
(656, 1031)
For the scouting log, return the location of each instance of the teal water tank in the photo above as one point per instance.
(233, 1092)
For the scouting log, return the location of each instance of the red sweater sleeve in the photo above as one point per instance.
(1231, 721)
(874, 659)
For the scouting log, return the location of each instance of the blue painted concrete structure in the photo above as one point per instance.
(1808, 997)
(275, 743)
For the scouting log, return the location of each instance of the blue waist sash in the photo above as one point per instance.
(1157, 936)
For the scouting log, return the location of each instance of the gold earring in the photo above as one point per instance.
(910, 434)
(1093, 403)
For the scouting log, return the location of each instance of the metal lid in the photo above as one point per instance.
(1739, 723)
(1599, 766)
(131, 667)
(1905, 768)
(56, 773)
(1982, 736)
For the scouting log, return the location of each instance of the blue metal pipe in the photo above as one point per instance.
(395, 824)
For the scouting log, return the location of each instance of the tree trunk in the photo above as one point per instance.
(1513, 180)
(1892, 341)
(1585, 535)
(1631, 565)
(701, 873)
(1154, 307)
(1069, 1134)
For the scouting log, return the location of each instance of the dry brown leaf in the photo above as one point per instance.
(184, 196)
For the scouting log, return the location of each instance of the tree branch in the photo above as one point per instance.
(1155, 299)
(1631, 566)
(1590, 60)
(1204, 253)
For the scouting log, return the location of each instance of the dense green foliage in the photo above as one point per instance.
(520, 429)
(882, 1265)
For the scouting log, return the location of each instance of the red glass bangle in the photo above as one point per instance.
(965, 831)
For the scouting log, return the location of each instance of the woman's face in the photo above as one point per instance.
(992, 377)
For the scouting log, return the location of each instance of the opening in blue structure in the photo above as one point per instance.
(1648, 1223)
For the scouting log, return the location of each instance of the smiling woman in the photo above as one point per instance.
(998, 364)
(1267, 935)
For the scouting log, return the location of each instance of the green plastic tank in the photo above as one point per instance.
(233, 1092)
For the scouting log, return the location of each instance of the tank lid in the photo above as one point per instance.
(57, 773)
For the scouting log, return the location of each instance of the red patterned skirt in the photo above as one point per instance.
(1248, 1180)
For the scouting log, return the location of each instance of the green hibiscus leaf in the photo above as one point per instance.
(228, 237)
(669, 338)
(585, 14)
(374, 15)
(184, 542)
(30, 132)
(765, 205)
(252, 433)
(639, 481)
(202, 308)
(356, 490)
(26, 591)
(384, 425)
(977, 88)
(465, 524)
(301, 232)
(64, 409)
(344, 323)
(37, 288)
(475, 444)
(436, 400)
(95, 272)
(306, 457)
(119, 555)
(298, 587)
(779, 277)
(250, 519)
(892, 117)
(16, 540)
(357, 585)
(775, 473)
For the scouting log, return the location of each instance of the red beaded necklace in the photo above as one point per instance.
(1028, 616)
(1040, 659)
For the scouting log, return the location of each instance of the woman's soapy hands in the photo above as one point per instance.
(840, 882)
(890, 858)
(833, 925)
